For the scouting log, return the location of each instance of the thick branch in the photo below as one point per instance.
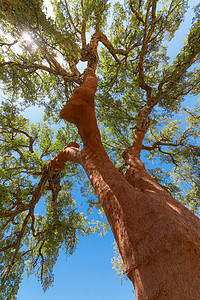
(153, 22)
(80, 110)
(143, 120)
(183, 62)
(68, 77)
(32, 223)
(142, 81)
(59, 68)
(90, 53)
(69, 153)
(71, 57)
(137, 145)
(83, 29)
(83, 36)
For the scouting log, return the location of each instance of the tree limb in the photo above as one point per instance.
(31, 140)
(146, 37)
(134, 11)
(184, 60)
(8, 44)
(70, 18)
(36, 234)
(159, 143)
(103, 38)
(32, 66)
(35, 198)
(18, 242)
(83, 36)
(69, 153)
(168, 153)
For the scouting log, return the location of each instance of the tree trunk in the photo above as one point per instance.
(158, 238)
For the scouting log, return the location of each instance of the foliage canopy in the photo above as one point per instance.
(40, 56)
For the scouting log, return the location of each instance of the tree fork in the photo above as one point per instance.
(158, 238)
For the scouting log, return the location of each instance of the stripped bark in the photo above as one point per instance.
(158, 238)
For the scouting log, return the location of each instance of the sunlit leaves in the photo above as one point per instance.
(95, 12)
(118, 264)
(178, 151)
(36, 50)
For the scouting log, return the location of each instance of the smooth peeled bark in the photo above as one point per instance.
(158, 238)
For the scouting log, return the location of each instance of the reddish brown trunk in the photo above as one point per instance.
(170, 269)
(158, 238)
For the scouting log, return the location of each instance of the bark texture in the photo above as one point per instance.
(158, 238)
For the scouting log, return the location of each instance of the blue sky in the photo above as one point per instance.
(88, 273)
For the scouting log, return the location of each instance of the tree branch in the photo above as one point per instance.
(103, 38)
(83, 36)
(42, 257)
(159, 143)
(83, 28)
(184, 60)
(5, 248)
(80, 110)
(168, 153)
(146, 38)
(71, 77)
(35, 198)
(69, 153)
(30, 66)
(134, 11)
(35, 234)
(31, 140)
(143, 120)
(161, 94)
(142, 81)
(18, 242)
(70, 18)
(8, 44)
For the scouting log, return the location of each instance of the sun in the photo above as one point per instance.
(27, 38)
